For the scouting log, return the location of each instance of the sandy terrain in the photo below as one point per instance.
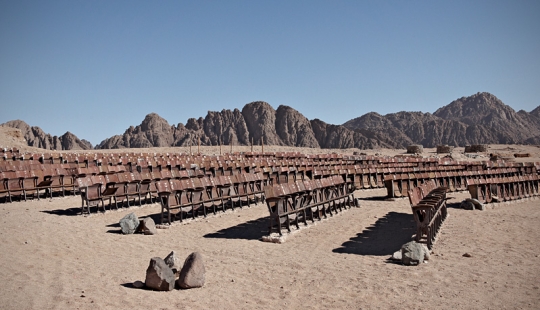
(55, 259)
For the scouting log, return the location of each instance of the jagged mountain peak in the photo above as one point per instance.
(480, 118)
(474, 108)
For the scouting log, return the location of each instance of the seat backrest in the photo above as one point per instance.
(163, 186)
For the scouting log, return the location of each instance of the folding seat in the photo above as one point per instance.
(250, 188)
(366, 183)
(225, 190)
(514, 190)
(298, 197)
(184, 193)
(14, 184)
(133, 187)
(328, 196)
(234, 193)
(535, 184)
(197, 197)
(4, 190)
(507, 189)
(147, 188)
(28, 181)
(523, 186)
(167, 199)
(44, 181)
(241, 188)
(179, 203)
(104, 191)
(485, 191)
(277, 207)
(379, 177)
(392, 187)
(120, 182)
(211, 199)
(90, 194)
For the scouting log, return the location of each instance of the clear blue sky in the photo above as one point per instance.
(96, 67)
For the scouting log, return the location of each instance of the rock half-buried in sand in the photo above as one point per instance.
(414, 253)
(159, 276)
(193, 272)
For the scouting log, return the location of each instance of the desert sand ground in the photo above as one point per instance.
(53, 258)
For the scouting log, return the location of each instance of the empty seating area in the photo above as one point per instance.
(428, 203)
(503, 188)
(296, 203)
(298, 188)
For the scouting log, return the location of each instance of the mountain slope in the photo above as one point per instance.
(36, 137)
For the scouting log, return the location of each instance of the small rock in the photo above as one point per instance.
(147, 226)
(466, 205)
(129, 224)
(193, 273)
(159, 276)
(396, 255)
(413, 253)
(467, 255)
(476, 204)
(173, 261)
(138, 284)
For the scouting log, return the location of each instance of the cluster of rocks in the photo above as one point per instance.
(441, 149)
(415, 149)
(165, 274)
(412, 253)
(476, 148)
(131, 224)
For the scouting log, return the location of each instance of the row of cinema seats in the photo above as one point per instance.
(177, 190)
(300, 201)
(25, 184)
(191, 197)
(503, 188)
(428, 203)
(397, 185)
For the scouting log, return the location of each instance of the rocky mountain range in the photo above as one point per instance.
(36, 137)
(478, 119)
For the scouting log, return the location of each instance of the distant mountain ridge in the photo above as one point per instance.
(478, 119)
(36, 137)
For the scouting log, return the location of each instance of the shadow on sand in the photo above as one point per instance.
(252, 230)
(64, 212)
(384, 237)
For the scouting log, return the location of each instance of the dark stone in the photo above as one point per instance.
(193, 273)
(159, 276)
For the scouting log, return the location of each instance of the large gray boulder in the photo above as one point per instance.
(193, 273)
(414, 253)
(159, 276)
(129, 224)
